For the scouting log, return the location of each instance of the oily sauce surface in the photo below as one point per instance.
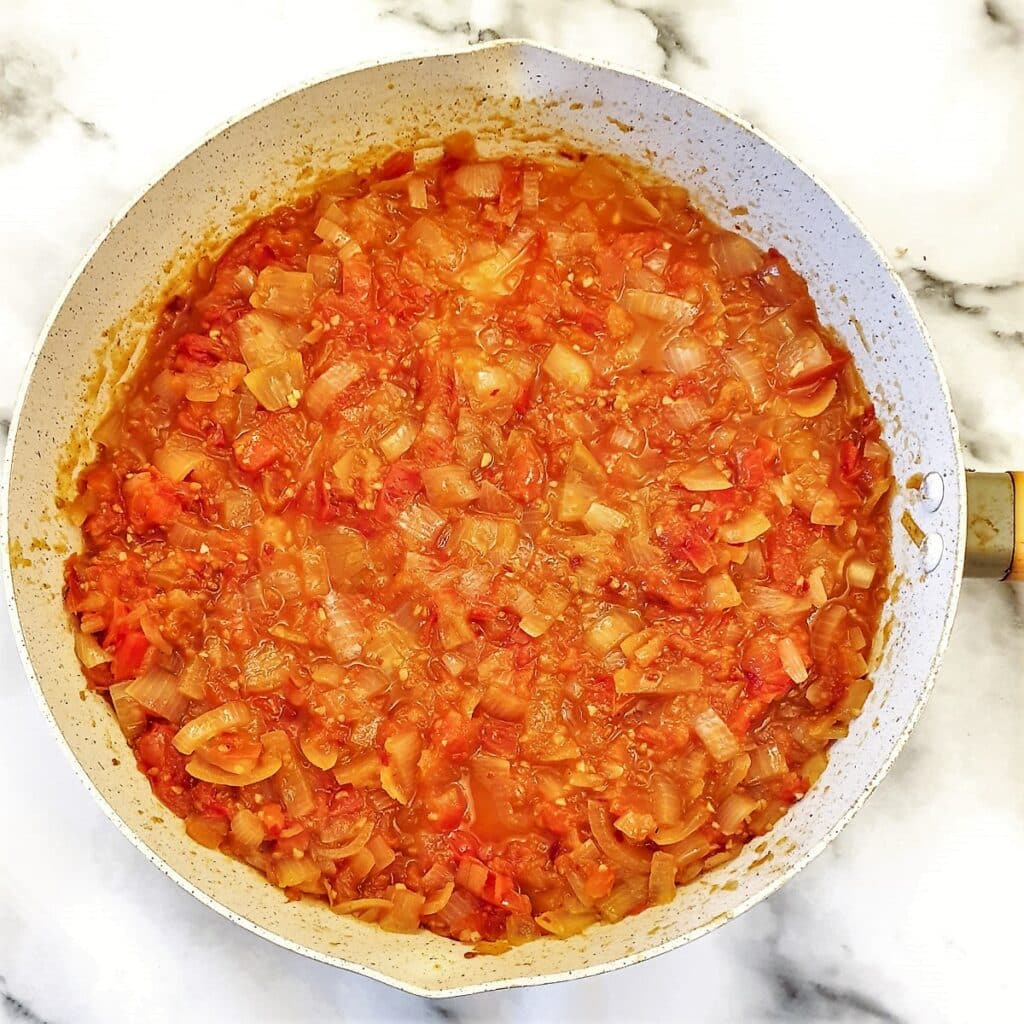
(485, 546)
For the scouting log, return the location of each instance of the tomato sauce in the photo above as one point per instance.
(487, 546)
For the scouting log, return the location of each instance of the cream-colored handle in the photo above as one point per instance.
(995, 526)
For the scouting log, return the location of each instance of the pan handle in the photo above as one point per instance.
(995, 526)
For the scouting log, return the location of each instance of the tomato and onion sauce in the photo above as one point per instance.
(487, 546)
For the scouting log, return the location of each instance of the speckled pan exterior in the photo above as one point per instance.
(516, 96)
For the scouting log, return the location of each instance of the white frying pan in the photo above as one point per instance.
(515, 97)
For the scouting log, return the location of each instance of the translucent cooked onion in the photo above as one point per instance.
(747, 527)
(233, 715)
(600, 518)
(802, 356)
(684, 357)
(417, 190)
(608, 631)
(478, 181)
(404, 914)
(279, 384)
(734, 256)
(157, 691)
(776, 604)
(749, 369)
(568, 369)
(720, 592)
(791, 660)
(631, 859)
(766, 762)
(362, 772)
(89, 652)
(563, 924)
(734, 810)
(321, 394)
(826, 629)
(686, 413)
(247, 829)
(814, 401)
(531, 189)
(498, 702)
(289, 293)
(398, 439)
(860, 573)
(131, 716)
(661, 885)
(716, 736)
(705, 476)
(437, 901)
(177, 458)
(267, 766)
(449, 486)
(659, 306)
(400, 775)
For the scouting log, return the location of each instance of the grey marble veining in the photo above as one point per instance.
(914, 113)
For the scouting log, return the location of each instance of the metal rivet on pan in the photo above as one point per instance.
(931, 551)
(932, 491)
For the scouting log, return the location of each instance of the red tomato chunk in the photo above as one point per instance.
(485, 546)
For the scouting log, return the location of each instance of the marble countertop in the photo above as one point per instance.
(914, 112)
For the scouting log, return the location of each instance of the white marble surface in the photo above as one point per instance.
(914, 111)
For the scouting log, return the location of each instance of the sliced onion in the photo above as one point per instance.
(816, 586)
(247, 829)
(320, 395)
(157, 691)
(705, 476)
(400, 775)
(766, 762)
(498, 702)
(684, 357)
(437, 901)
(716, 736)
(791, 660)
(826, 511)
(802, 355)
(568, 368)
(601, 518)
(89, 652)
(478, 181)
(563, 924)
(279, 384)
(747, 527)
(686, 413)
(131, 716)
(398, 439)
(776, 604)
(233, 715)
(631, 859)
(661, 885)
(449, 486)
(720, 592)
(609, 631)
(267, 766)
(531, 189)
(734, 810)
(750, 370)
(176, 459)
(825, 630)
(860, 573)
(289, 293)
(417, 190)
(734, 256)
(659, 306)
(814, 401)
(404, 915)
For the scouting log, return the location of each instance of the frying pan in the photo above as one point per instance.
(516, 97)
